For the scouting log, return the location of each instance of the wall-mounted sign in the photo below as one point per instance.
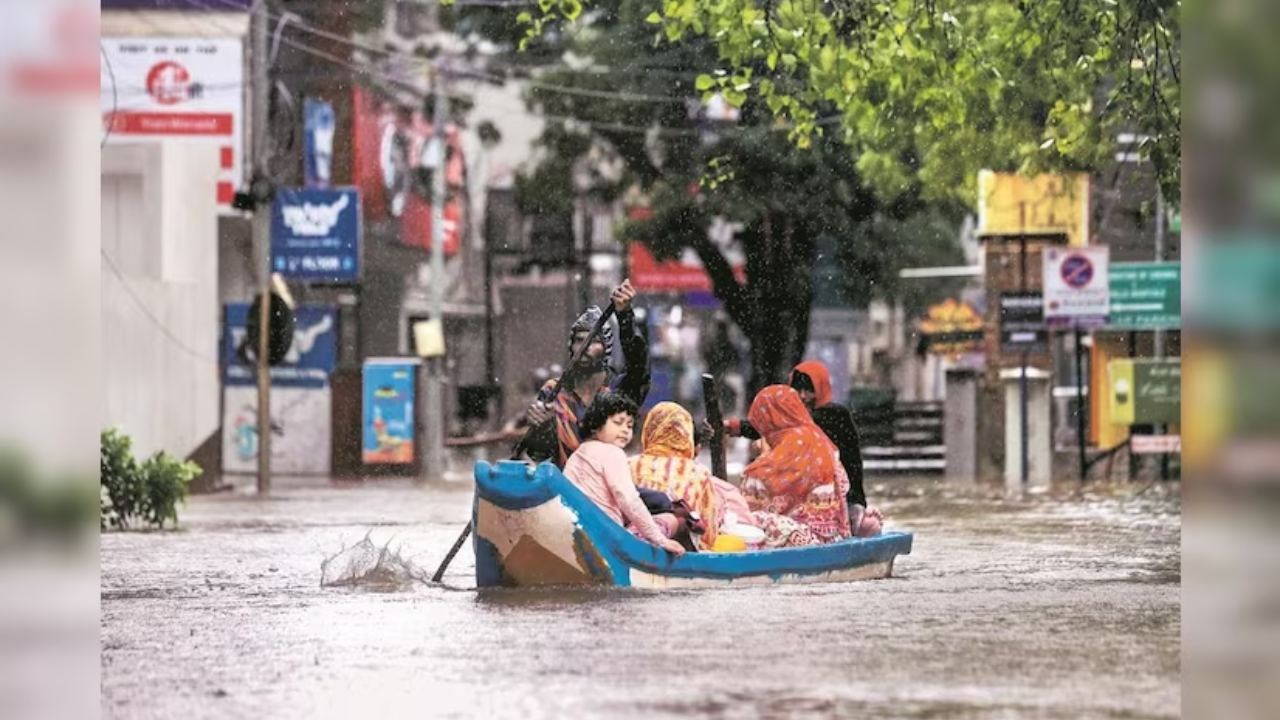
(1146, 391)
(1022, 327)
(1076, 289)
(1146, 296)
(191, 88)
(301, 417)
(315, 235)
(952, 327)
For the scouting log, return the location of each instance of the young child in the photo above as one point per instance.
(599, 468)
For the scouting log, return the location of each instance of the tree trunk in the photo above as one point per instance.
(772, 308)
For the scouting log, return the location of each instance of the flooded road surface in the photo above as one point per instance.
(1029, 608)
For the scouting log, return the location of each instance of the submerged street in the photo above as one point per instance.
(1062, 606)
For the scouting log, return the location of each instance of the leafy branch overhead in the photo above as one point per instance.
(931, 91)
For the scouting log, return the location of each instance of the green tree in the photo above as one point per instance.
(932, 91)
(641, 107)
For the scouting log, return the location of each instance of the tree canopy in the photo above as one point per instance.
(932, 91)
(638, 111)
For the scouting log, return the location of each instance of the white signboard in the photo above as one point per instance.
(301, 432)
(191, 88)
(1076, 286)
(1156, 444)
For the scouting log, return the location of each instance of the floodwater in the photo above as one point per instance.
(1040, 607)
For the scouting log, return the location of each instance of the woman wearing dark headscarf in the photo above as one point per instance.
(555, 434)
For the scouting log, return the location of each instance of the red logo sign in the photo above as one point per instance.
(169, 83)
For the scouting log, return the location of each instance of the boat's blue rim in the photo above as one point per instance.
(511, 486)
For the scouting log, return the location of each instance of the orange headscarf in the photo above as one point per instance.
(667, 464)
(801, 457)
(821, 378)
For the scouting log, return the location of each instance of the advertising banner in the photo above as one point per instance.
(319, 124)
(1013, 203)
(394, 156)
(190, 88)
(301, 417)
(389, 426)
(315, 235)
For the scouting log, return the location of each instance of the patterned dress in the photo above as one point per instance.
(796, 489)
(667, 464)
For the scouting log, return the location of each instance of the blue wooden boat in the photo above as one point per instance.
(533, 527)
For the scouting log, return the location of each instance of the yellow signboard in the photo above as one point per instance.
(1122, 392)
(1013, 203)
(952, 327)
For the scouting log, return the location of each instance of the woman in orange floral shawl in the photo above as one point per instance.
(799, 478)
(667, 464)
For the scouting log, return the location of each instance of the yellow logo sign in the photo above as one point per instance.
(952, 328)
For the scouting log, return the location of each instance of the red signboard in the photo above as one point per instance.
(390, 149)
(685, 274)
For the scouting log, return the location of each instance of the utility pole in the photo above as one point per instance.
(261, 226)
(1159, 334)
(434, 464)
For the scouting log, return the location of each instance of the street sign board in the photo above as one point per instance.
(1022, 327)
(1076, 291)
(1146, 391)
(1146, 296)
(315, 234)
(1155, 444)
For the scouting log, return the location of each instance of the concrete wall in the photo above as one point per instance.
(160, 315)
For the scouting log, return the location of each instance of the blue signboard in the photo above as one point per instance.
(388, 410)
(310, 361)
(315, 235)
(318, 131)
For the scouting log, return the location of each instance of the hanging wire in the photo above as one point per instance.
(115, 95)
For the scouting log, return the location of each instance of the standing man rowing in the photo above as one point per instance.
(554, 433)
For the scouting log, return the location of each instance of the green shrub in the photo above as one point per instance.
(148, 492)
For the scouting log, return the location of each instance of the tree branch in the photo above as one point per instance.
(724, 284)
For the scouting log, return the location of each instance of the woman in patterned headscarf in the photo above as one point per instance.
(797, 487)
(667, 464)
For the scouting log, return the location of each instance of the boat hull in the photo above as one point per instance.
(534, 528)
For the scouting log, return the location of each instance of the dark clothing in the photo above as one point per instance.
(557, 438)
(836, 421)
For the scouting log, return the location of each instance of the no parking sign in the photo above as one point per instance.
(1076, 287)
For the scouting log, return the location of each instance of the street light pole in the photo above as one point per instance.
(434, 399)
(261, 227)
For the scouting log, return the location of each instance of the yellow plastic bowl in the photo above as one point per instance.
(729, 543)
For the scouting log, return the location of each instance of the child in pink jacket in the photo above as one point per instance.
(599, 468)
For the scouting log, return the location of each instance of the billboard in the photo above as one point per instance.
(394, 155)
(389, 425)
(315, 235)
(188, 88)
(1013, 203)
(301, 399)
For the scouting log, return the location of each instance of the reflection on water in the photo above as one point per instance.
(1047, 607)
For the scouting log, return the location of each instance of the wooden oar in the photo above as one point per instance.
(519, 449)
(711, 396)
